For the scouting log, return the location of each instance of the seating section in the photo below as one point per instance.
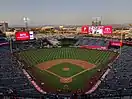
(12, 77)
(119, 80)
(92, 42)
(117, 83)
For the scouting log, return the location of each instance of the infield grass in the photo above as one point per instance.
(73, 69)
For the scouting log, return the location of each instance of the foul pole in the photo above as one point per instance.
(121, 42)
(10, 44)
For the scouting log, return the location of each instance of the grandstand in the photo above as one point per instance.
(92, 41)
(118, 83)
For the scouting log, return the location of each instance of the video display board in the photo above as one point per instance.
(103, 30)
(22, 36)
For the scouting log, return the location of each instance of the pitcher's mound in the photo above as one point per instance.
(66, 69)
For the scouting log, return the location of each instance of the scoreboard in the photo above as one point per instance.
(103, 30)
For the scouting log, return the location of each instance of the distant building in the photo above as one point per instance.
(47, 28)
(78, 30)
(10, 33)
(3, 26)
(129, 35)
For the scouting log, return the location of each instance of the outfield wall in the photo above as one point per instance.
(94, 47)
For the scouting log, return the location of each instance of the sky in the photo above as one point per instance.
(65, 12)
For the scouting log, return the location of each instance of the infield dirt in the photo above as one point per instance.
(81, 63)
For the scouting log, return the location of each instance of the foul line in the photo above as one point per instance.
(79, 73)
(53, 74)
(67, 77)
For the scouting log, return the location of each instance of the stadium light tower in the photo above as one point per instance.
(26, 19)
(96, 22)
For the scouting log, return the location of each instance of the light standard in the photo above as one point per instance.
(96, 22)
(26, 19)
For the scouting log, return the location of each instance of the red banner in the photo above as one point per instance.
(22, 36)
(85, 29)
(107, 30)
(94, 47)
(116, 43)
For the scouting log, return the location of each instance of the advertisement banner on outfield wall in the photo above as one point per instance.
(21, 36)
(94, 47)
(107, 30)
(116, 43)
(85, 29)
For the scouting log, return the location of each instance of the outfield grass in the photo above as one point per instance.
(34, 57)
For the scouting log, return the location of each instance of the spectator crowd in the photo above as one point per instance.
(118, 83)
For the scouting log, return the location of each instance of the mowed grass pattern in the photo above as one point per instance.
(34, 57)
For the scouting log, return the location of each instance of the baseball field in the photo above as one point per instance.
(66, 69)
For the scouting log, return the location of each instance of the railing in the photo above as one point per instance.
(48, 96)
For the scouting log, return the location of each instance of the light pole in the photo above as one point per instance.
(26, 19)
(96, 23)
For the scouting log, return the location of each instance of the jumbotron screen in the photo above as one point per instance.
(104, 30)
(23, 36)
